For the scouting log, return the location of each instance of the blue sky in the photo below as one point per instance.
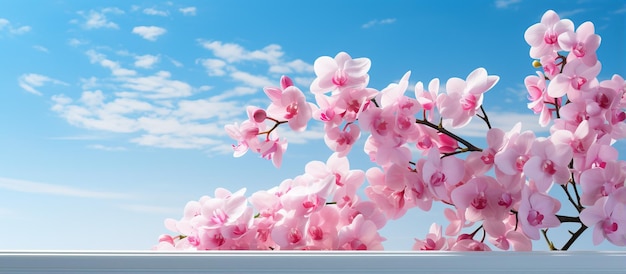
(112, 112)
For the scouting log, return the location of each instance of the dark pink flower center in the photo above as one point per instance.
(520, 162)
(429, 244)
(550, 38)
(577, 82)
(294, 235)
(579, 50)
(468, 102)
(338, 179)
(292, 110)
(219, 216)
(609, 226)
(316, 233)
(534, 217)
(340, 78)
(218, 239)
(505, 200)
(479, 202)
(487, 158)
(437, 179)
(548, 167)
(358, 245)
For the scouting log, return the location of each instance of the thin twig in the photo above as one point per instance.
(575, 236)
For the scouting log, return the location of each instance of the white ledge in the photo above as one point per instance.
(311, 261)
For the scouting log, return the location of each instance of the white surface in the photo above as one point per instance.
(312, 262)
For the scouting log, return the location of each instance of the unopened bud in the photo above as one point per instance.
(285, 82)
(259, 115)
(463, 236)
(536, 64)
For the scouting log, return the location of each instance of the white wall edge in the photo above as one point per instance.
(311, 261)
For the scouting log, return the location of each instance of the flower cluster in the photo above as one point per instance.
(501, 190)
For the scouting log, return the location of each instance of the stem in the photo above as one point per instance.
(484, 117)
(569, 197)
(550, 243)
(556, 108)
(273, 127)
(568, 219)
(575, 236)
(470, 146)
(476, 231)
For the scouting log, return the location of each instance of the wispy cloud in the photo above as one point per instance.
(378, 22)
(146, 61)
(53, 189)
(620, 11)
(98, 19)
(502, 120)
(5, 24)
(569, 13)
(29, 82)
(214, 67)
(151, 209)
(232, 52)
(74, 42)
(191, 11)
(106, 148)
(150, 33)
(503, 4)
(153, 11)
(40, 48)
(251, 80)
(315, 133)
(157, 109)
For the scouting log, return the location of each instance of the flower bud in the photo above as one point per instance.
(285, 82)
(536, 64)
(463, 236)
(259, 116)
(166, 238)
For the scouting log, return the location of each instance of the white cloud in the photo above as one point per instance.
(172, 141)
(40, 48)
(311, 134)
(207, 108)
(45, 188)
(620, 11)
(251, 80)
(158, 86)
(289, 67)
(568, 13)
(378, 22)
(501, 120)
(503, 4)
(5, 23)
(153, 11)
(113, 10)
(21, 30)
(176, 63)
(74, 42)
(146, 61)
(303, 81)
(150, 209)
(159, 110)
(116, 69)
(188, 11)
(215, 67)
(233, 52)
(236, 92)
(29, 82)
(97, 20)
(106, 148)
(150, 33)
